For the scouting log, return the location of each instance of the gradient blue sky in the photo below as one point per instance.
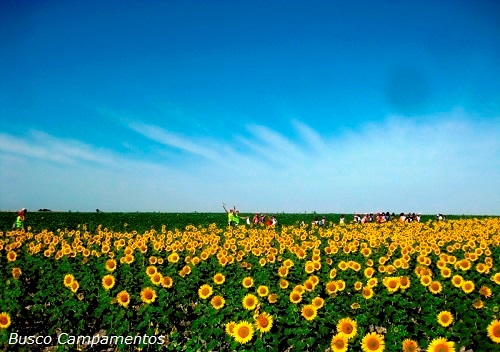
(349, 106)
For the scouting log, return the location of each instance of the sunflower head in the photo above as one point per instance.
(148, 295)
(68, 280)
(445, 318)
(373, 342)
(441, 345)
(338, 343)
(219, 279)
(295, 297)
(230, 328)
(205, 291)
(272, 298)
(263, 322)
(243, 332)
(247, 282)
(347, 327)
(123, 298)
(262, 291)
(218, 302)
(4, 320)
(250, 302)
(410, 346)
(309, 312)
(494, 331)
(108, 282)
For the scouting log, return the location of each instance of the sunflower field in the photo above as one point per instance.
(432, 286)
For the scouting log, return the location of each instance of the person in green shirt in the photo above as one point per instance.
(21, 217)
(237, 217)
(230, 215)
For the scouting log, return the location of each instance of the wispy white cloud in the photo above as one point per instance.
(40, 145)
(447, 162)
(174, 140)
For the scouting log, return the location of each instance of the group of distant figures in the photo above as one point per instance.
(386, 217)
(234, 218)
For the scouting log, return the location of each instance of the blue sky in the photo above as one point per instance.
(271, 106)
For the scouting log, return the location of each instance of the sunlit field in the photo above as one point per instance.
(429, 286)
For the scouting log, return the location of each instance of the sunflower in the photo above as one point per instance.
(426, 280)
(468, 286)
(74, 286)
(392, 284)
(230, 328)
(308, 285)
(358, 285)
(173, 258)
(295, 297)
(355, 305)
(283, 271)
(369, 272)
(151, 270)
(243, 332)
(217, 302)
(318, 302)
(205, 291)
(16, 273)
(445, 318)
(404, 282)
(485, 291)
(445, 272)
(367, 292)
(108, 282)
(410, 346)
(347, 327)
(247, 282)
(441, 345)
(339, 343)
(4, 320)
(457, 280)
(11, 256)
(478, 304)
(148, 295)
(373, 342)
(167, 282)
(68, 280)
(123, 298)
(309, 312)
(494, 331)
(272, 298)
(496, 278)
(372, 282)
(340, 285)
(263, 322)
(263, 291)
(219, 279)
(309, 267)
(250, 302)
(435, 287)
(156, 279)
(283, 284)
(333, 273)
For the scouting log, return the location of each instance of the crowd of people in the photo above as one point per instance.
(385, 217)
(234, 218)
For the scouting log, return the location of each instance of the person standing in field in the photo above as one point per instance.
(255, 219)
(21, 217)
(230, 215)
(237, 217)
